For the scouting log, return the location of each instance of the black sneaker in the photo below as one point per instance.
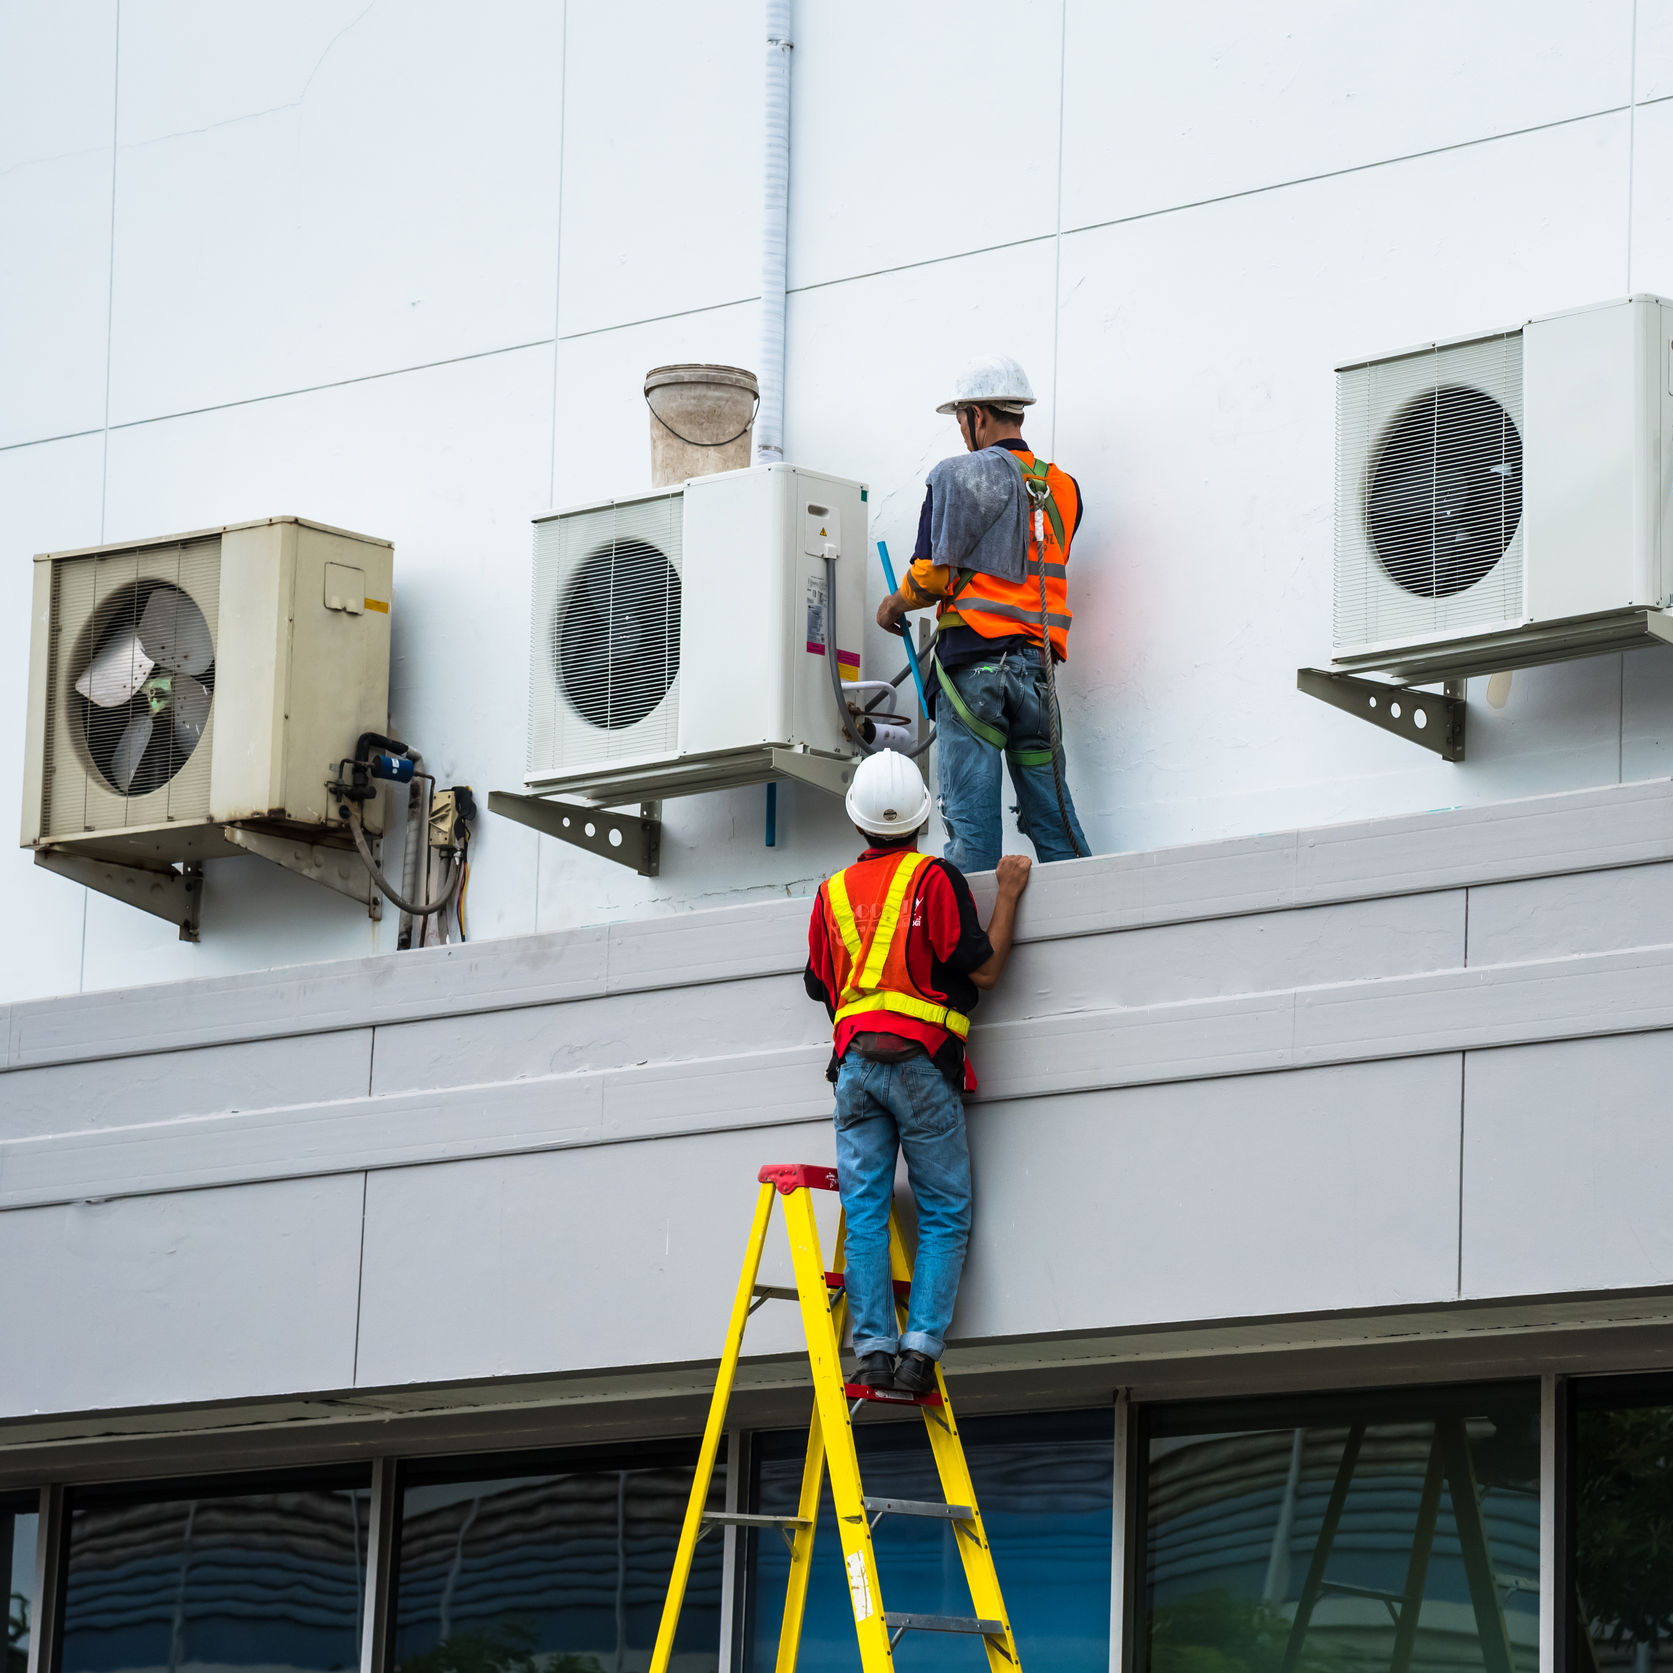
(916, 1372)
(876, 1370)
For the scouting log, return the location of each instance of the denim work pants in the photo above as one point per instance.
(1009, 693)
(881, 1109)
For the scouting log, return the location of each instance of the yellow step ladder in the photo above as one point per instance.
(830, 1443)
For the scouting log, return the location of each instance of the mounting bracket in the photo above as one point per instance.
(160, 890)
(336, 868)
(830, 773)
(632, 840)
(1433, 719)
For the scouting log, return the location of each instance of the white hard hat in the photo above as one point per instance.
(888, 797)
(994, 380)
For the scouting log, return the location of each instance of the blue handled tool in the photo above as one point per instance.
(911, 649)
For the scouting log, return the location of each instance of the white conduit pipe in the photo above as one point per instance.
(775, 233)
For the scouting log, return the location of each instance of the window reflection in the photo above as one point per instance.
(17, 1560)
(1045, 1487)
(1394, 1533)
(1623, 1531)
(551, 1572)
(269, 1580)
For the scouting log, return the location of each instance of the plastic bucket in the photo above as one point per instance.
(702, 420)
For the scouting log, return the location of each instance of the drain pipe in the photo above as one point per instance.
(775, 232)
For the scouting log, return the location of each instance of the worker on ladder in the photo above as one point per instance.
(896, 954)
(993, 554)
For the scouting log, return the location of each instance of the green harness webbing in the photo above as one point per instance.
(979, 728)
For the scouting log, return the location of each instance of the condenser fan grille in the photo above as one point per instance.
(617, 636)
(604, 656)
(1429, 490)
(132, 672)
(1445, 495)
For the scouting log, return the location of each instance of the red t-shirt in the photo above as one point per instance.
(945, 942)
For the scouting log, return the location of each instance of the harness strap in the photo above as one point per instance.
(979, 728)
(1036, 484)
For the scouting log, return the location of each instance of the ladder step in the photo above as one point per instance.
(839, 1281)
(919, 1507)
(776, 1292)
(942, 1623)
(891, 1396)
(737, 1519)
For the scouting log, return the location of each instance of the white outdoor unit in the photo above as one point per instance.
(1499, 498)
(680, 637)
(191, 697)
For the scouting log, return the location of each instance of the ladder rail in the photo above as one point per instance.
(847, 1495)
(692, 1528)
(969, 1533)
(813, 1484)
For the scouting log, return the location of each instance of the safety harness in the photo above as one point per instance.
(1036, 485)
(869, 960)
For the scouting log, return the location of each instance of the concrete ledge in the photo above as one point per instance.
(1623, 825)
(1353, 1022)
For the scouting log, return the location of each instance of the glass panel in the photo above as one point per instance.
(1623, 1531)
(18, 1532)
(1391, 1533)
(263, 1580)
(551, 1573)
(1045, 1488)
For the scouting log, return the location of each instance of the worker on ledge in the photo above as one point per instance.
(993, 554)
(896, 954)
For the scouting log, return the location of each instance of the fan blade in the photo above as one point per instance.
(118, 669)
(174, 633)
(191, 711)
(130, 748)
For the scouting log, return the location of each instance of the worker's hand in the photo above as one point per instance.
(1012, 874)
(891, 614)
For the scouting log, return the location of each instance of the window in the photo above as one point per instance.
(561, 1570)
(215, 1580)
(1393, 1532)
(17, 1559)
(1045, 1486)
(1620, 1584)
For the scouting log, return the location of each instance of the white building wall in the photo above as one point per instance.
(401, 268)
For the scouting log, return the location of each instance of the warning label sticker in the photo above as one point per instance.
(816, 615)
(859, 1588)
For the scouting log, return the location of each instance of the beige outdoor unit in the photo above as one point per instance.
(192, 697)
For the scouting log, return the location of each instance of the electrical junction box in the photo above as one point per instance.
(1501, 500)
(183, 687)
(680, 637)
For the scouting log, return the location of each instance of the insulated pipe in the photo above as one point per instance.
(775, 232)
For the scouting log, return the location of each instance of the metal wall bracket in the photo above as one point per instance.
(830, 773)
(160, 890)
(632, 840)
(1433, 719)
(337, 868)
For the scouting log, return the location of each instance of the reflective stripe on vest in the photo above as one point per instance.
(868, 960)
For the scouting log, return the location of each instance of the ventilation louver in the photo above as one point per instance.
(1429, 493)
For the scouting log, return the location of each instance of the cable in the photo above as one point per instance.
(847, 719)
(464, 879)
(440, 903)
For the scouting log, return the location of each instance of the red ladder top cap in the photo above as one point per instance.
(797, 1176)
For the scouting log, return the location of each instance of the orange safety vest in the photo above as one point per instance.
(997, 609)
(869, 903)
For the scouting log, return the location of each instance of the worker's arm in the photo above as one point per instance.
(922, 585)
(1013, 879)
(818, 978)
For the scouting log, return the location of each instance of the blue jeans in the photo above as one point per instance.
(883, 1108)
(1009, 693)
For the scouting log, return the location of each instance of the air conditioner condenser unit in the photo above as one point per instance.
(191, 697)
(1501, 499)
(680, 637)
